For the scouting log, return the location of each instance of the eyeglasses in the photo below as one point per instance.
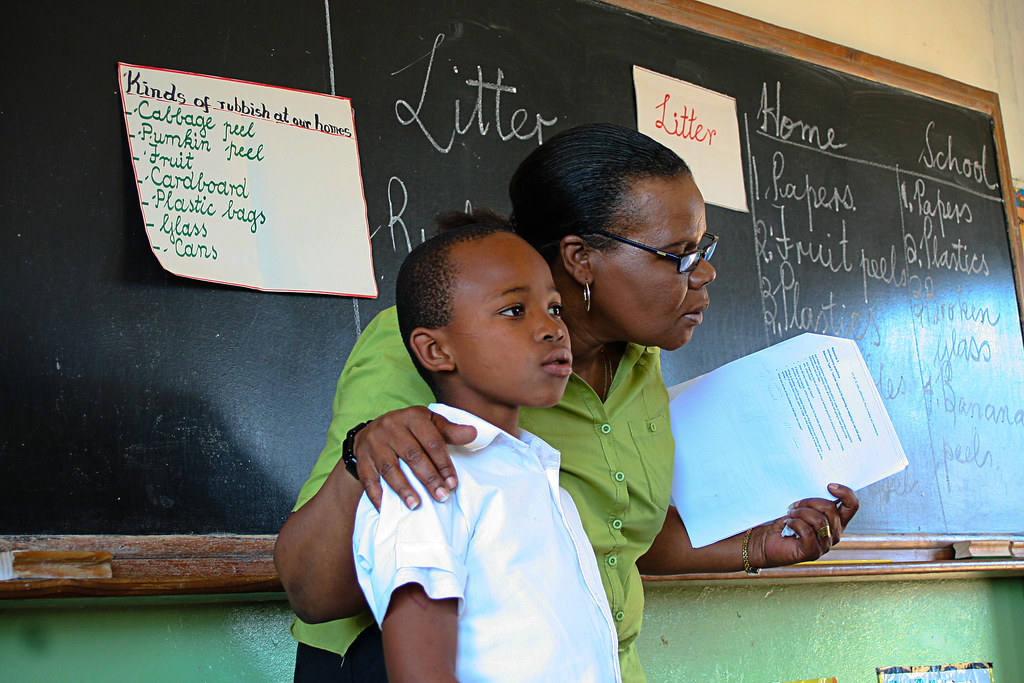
(684, 263)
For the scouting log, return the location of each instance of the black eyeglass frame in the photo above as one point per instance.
(697, 254)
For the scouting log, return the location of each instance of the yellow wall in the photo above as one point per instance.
(978, 42)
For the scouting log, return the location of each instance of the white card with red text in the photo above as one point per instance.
(699, 125)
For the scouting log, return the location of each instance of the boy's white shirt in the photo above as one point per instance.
(531, 561)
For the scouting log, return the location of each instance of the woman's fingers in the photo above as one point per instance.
(416, 436)
(454, 435)
(370, 475)
(848, 502)
(422, 447)
(392, 437)
(800, 544)
(838, 513)
(823, 515)
(814, 527)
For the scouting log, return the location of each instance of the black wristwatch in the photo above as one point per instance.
(347, 454)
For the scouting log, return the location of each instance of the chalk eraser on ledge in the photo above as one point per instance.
(988, 549)
(54, 564)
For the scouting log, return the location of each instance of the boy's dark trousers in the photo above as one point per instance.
(363, 663)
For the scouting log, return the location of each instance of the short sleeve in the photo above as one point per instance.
(397, 546)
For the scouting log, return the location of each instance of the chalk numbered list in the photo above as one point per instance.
(773, 428)
(247, 184)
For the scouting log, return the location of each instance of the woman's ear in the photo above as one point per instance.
(431, 349)
(575, 255)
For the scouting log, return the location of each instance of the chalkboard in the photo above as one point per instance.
(137, 402)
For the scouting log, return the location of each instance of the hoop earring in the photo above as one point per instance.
(586, 296)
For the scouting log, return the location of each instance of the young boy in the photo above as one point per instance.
(499, 582)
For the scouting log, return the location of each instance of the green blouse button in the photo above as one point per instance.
(653, 427)
(617, 524)
(620, 615)
(612, 561)
(606, 428)
(620, 476)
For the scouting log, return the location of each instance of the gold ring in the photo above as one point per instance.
(824, 532)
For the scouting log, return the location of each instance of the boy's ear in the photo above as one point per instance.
(575, 256)
(430, 349)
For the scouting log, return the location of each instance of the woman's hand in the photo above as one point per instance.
(418, 437)
(815, 524)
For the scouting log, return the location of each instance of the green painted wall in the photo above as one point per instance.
(153, 640)
(754, 632)
(762, 633)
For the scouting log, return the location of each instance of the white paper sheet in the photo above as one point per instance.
(775, 427)
(700, 125)
(248, 184)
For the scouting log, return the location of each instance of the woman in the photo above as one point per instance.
(620, 221)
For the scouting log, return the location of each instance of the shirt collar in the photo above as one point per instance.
(635, 353)
(486, 433)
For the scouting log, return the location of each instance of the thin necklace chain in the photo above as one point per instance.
(607, 372)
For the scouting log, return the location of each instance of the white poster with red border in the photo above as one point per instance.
(246, 184)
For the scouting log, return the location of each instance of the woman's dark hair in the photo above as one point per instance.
(426, 279)
(576, 182)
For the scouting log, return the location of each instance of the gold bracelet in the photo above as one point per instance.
(746, 558)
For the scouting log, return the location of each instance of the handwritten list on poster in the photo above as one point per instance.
(247, 184)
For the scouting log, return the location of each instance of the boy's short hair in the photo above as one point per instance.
(425, 288)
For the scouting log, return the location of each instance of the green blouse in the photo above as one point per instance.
(616, 464)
